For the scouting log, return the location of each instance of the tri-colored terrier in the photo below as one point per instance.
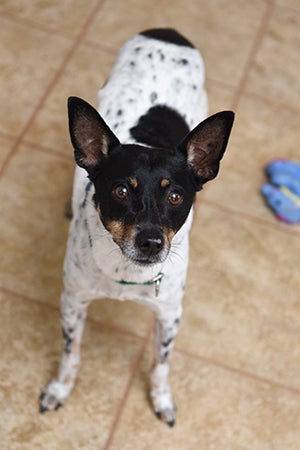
(140, 165)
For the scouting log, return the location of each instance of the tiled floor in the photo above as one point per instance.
(236, 365)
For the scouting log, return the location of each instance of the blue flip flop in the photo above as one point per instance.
(283, 172)
(283, 202)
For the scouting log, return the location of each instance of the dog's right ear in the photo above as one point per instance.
(90, 135)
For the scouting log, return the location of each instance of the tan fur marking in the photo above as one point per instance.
(133, 182)
(165, 182)
(169, 234)
(117, 231)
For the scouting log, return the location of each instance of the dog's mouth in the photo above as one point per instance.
(142, 245)
(144, 260)
(145, 252)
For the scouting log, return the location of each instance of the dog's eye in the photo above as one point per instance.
(121, 192)
(174, 198)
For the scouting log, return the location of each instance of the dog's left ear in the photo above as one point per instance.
(90, 135)
(206, 144)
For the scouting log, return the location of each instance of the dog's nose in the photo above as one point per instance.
(149, 243)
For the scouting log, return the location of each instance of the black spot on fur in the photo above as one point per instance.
(119, 112)
(150, 55)
(161, 55)
(160, 127)
(68, 210)
(167, 35)
(68, 340)
(137, 49)
(132, 63)
(165, 356)
(153, 97)
(87, 190)
(168, 342)
(183, 62)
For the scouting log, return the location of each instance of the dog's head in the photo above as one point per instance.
(143, 195)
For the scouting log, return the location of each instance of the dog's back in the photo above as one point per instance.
(157, 67)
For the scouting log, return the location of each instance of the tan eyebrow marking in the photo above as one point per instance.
(133, 182)
(165, 182)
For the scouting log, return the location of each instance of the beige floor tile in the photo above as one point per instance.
(217, 409)
(67, 16)
(33, 194)
(275, 73)
(30, 346)
(29, 59)
(83, 77)
(262, 131)
(127, 316)
(242, 303)
(223, 31)
(288, 4)
(219, 97)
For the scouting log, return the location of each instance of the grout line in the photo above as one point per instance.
(24, 21)
(256, 45)
(56, 309)
(238, 371)
(50, 150)
(51, 85)
(271, 102)
(280, 227)
(127, 390)
(146, 339)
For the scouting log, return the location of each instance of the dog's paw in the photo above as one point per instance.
(53, 396)
(168, 416)
(164, 407)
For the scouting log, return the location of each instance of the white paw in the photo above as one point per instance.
(53, 396)
(164, 407)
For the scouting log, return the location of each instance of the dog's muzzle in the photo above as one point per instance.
(150, 246)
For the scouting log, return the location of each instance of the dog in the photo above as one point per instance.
(141, 159)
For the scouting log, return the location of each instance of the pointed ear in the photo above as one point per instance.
(91, 137)
(206, 144)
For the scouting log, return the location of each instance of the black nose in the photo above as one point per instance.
(149, 242)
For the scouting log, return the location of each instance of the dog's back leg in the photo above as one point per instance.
(73, 315)
(166, 329)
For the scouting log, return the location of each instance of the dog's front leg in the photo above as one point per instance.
(73, 315)
(165, 332)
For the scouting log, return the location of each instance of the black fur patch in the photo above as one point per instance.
(160, 127)
(167, 35)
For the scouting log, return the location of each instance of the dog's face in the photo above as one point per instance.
(143, 195)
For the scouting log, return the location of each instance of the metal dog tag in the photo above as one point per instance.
(157, 281)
